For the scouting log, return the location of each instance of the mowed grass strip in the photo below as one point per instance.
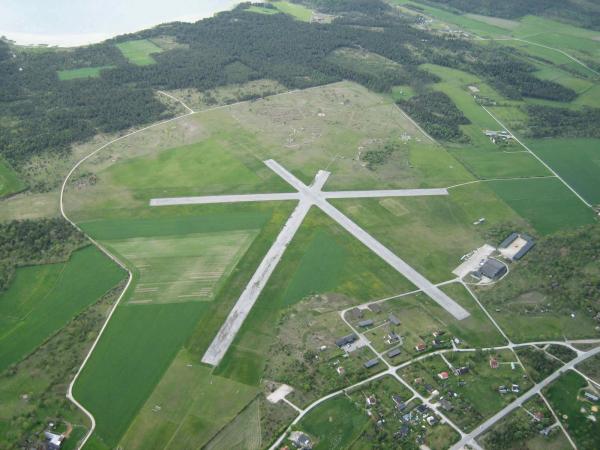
(42, 299)
(546, 203)
(139, 51)
(9, 181)
(83, 72)
(575, 160)
(188, 407)
(182, 268)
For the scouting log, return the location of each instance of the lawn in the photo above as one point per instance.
(9, 181)
(188, 407)
(575, 160)
(334, 424)
(43, 299)
(563, 395)
(83, 72)
(139, 51)
(545, 203)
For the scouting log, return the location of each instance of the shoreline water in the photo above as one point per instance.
(76, 39)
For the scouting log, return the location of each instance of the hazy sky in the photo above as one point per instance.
(71, 22)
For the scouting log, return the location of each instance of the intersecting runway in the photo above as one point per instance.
(308, 196)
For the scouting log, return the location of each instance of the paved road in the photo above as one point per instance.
(373, 244)
(518, 402)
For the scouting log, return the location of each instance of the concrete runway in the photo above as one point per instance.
(307, 196)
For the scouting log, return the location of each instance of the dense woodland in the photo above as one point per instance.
(578, 12)
(42, 114)
(546, 121)
(29, 242)
(563, 268)
(438, 115)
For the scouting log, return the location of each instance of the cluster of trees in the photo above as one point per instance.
(558, 267)
(30, 242)
(40, 113)
(513, 432)
(380, 156)
(583, 13)
(539, 364)
(548, 121)
(438, 114)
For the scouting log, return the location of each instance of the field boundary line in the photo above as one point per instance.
(538, 158)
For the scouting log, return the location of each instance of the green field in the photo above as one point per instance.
(563, 396)
(180, 269)
(300, 12)
(545, 203)
(139, 51)
(334, 424)
(9, 181)
(42, 299)
(575, 160)
(187, 407)
(84, 72)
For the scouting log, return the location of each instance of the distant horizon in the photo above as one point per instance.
(65, 25)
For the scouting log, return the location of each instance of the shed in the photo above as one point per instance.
(394, 352)
(371, 363)
(394, 320)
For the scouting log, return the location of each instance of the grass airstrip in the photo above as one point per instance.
(84, 72)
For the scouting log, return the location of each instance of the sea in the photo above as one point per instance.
(68, 23)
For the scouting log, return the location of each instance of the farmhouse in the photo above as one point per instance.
(491, 269)
(371, 363)
(394, 352)
(346, 340)
(515, 246)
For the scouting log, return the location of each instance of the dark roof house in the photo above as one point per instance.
(371, 363)
(346, 340)
(394, 352)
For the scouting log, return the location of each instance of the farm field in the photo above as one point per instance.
(188, 406)
(43, 299)
(9, 180)
(139, 52)
(544, 202)
(84, 72)
(576, 160)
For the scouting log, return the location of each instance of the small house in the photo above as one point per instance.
(494, 363)
(301, 440)
(443, 375)
(371, 400)
(400, 405)
(420, 347)
(394, 320)
(461, 371)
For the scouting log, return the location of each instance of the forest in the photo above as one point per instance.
(548, 121)
(438, 115)
(44, 115)
(582, 13)
(29, 242)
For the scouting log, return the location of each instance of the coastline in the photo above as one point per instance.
(68, 40)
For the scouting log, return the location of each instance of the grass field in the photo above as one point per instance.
(139, 51)
(9, 181)
(42, 299)
(300, 12)
(188, 407)
(576, 160)
(180, 269)
(84, 72)
(242, 433)
(546, 203)
(563, 396)
(334, 424)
